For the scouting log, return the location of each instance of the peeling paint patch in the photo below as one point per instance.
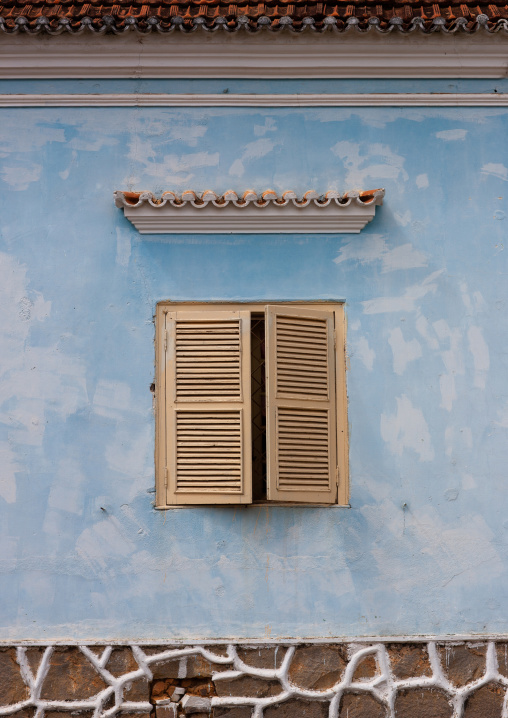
(407, 429)
(403, 257)
(19, 178)
(375, 248)
(253, 151)
(451, 135)
(402, 219)
(480, 351)
(66, 493)
(369, 162)
(174, 169)
(407, 302)
(102, 541)
(495, 169)
(123, 248)
(453, 361)
(364, 353)
(422, 181)
(502, 416)
(403, 352)
(9, 467)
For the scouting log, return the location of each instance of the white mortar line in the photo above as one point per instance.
(140, 658)
(105, 656)
(382, 686)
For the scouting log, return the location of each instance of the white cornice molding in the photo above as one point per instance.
(376, 99)
(250, 214)
(254, 56)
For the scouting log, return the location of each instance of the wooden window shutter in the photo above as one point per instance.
(208, 407)
(301, 405)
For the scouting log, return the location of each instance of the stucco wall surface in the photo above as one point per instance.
(423, 548)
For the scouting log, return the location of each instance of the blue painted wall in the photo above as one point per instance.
(424, 546)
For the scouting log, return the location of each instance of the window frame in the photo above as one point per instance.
(161, 438)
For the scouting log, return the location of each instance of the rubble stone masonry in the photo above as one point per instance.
(449, 679)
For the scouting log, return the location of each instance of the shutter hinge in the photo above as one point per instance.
(165, 477)
(335, 339)
(165, 342)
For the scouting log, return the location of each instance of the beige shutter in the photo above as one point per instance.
(208, 407)
(301, 405)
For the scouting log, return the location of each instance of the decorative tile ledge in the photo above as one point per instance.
(267, 213)
(253, 19)
(386, 679)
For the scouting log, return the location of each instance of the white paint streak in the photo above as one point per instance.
(422, 181)
(405, 303)
(269, 126)
(407, 429)
(66, 492)
(168, 167)
(101, 541)
(112, 399)
(502, 414)
(403, 257)
(461, 549)
(451, 135)
(374, 248)
(123, 248)
(8, 547)
(468, 482)
(495, 169)
(364, 353)
(365, 163)
(252, 151)
(474, 303)
(237, 169)
(190, 134)
(91, 143)
(34, 380)
(402, 219)
(448, 391)
(423, 328)
(130, 454)
(481, 359)
(453, 361)
(27, 136)
(8, 469)
(458, 440)
(19, 178)
(257, 149)
(403, 352)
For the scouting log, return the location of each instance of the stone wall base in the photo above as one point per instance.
(386, 679)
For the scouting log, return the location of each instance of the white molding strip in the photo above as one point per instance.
(264, 55)
(269, 213)
(376, 99)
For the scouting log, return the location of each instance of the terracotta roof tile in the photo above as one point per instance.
(406, 16)
(135, 199)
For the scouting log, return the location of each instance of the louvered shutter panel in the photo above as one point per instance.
(301, 405)
(208, 407)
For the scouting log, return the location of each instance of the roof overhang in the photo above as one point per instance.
(250, 213)
(263, 55)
